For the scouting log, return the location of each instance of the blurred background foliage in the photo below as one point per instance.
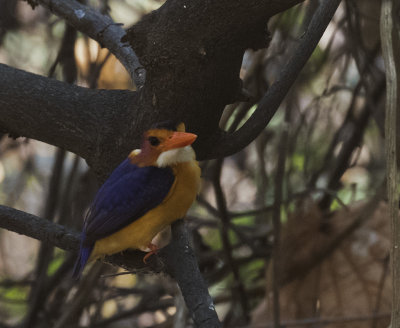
(315, 174)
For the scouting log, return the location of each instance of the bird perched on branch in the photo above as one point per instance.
(148, 191)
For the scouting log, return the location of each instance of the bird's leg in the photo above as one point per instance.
(153, 250)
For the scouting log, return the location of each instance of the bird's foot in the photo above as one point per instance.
(153, 250)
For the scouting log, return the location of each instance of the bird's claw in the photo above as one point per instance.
(153, 250)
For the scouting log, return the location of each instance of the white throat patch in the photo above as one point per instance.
(174, 156)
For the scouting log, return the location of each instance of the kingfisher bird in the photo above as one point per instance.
(148, 191)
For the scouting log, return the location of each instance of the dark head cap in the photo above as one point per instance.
(168, 125)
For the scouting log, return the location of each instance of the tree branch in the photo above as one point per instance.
(180, 263)
(62, 237)
(177, 258)
(77, 119)
(100, 28)
(41, 229)
(390, 52)
(231, 143)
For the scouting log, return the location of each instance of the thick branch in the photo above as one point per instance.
(78, 119)
(100, 28)
(231, 143)
(182, 265)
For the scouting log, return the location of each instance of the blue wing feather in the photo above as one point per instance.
(83, 257)
(127, 195)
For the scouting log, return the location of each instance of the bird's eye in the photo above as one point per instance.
(154, 141)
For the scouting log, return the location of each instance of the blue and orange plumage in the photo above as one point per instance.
(148, 191)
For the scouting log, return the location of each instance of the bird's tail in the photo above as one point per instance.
(83, 257)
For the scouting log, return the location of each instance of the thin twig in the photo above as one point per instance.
(100, 28)
(269, 104)
(142, 307)
(239, 291)
(276, 216)
(39, 291)
(390, 44)
(382, 280)
(77, 303)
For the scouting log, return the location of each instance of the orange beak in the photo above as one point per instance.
(178, 140)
